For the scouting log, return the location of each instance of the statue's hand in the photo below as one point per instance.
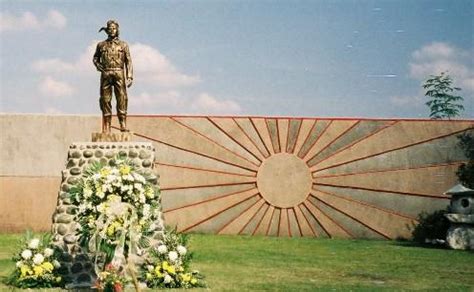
(129, 82)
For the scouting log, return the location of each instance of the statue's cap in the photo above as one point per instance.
(109, 23)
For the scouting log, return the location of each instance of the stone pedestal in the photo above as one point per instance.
(76, 265)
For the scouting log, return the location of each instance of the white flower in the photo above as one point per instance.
(162, 249)
(96, 176)
(48, 252)
(173, 256)
(26, 254)
(19, 264)
(56, 264)
(167, 279)
(181, 250)
(146, 210)
(101, 192)
(87, 192)
(101, 207)
(150, 268)
(38, 259)
(34, 243)
(142, 198)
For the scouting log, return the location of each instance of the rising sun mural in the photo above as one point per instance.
(346, 178)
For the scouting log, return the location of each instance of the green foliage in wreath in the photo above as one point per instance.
(117, 210)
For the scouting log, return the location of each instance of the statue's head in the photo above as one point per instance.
(112, 28)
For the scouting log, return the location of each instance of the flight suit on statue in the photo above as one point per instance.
(112, 59)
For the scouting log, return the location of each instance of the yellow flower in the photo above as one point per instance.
(58, 279)
(149, 276)
(24, 270)
(180, 269)
(186, 277)
(104, 172)
(193, 281)
(111, 230)
(171, 270)
(165, 265)
(114, 198)
(157, 272)
(124, 169)
(38, 270)
(47, 266)
(149, 193)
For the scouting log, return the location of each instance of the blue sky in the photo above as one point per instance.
(284, 58)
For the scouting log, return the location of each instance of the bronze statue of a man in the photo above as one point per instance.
(112, 59)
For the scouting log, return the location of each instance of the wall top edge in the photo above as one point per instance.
(243, 116)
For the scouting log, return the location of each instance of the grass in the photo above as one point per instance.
(241, 263)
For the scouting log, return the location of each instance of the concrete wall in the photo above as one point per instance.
(252, 175)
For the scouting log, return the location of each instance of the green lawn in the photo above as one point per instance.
(240, 263)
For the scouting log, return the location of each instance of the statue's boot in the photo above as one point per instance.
(123, 124)
(106, 124)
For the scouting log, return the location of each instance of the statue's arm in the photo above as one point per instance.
(129, 66)
(96, 59)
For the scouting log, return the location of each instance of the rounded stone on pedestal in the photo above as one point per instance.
(146, 163)
(153, 179)
(70, 238)
(98, 153)
(61, 209)
(65, 187)
(73, 180)
(88, 153)
(75, 171)
(122, 153)
(71, 210)
(64, 218)
(132, 153)
(76, 154)
(144, 154)
(109, 154)
(62, 229)
(71, 163)
(137, 162)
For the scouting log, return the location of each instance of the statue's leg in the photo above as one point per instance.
(120, 89)
(106, 101)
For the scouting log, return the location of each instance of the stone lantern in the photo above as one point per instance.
(461, 232)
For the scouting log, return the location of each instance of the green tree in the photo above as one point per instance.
(444, 102)
(465, 171)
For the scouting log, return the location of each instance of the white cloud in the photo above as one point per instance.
(173, 102)
(28, 20)
(82, 64)
(438, 57)
(435, 50)
(51, 87)
(207, 104)
(153, 66)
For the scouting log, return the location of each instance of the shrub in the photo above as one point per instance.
(432, 228)
(465, 171)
